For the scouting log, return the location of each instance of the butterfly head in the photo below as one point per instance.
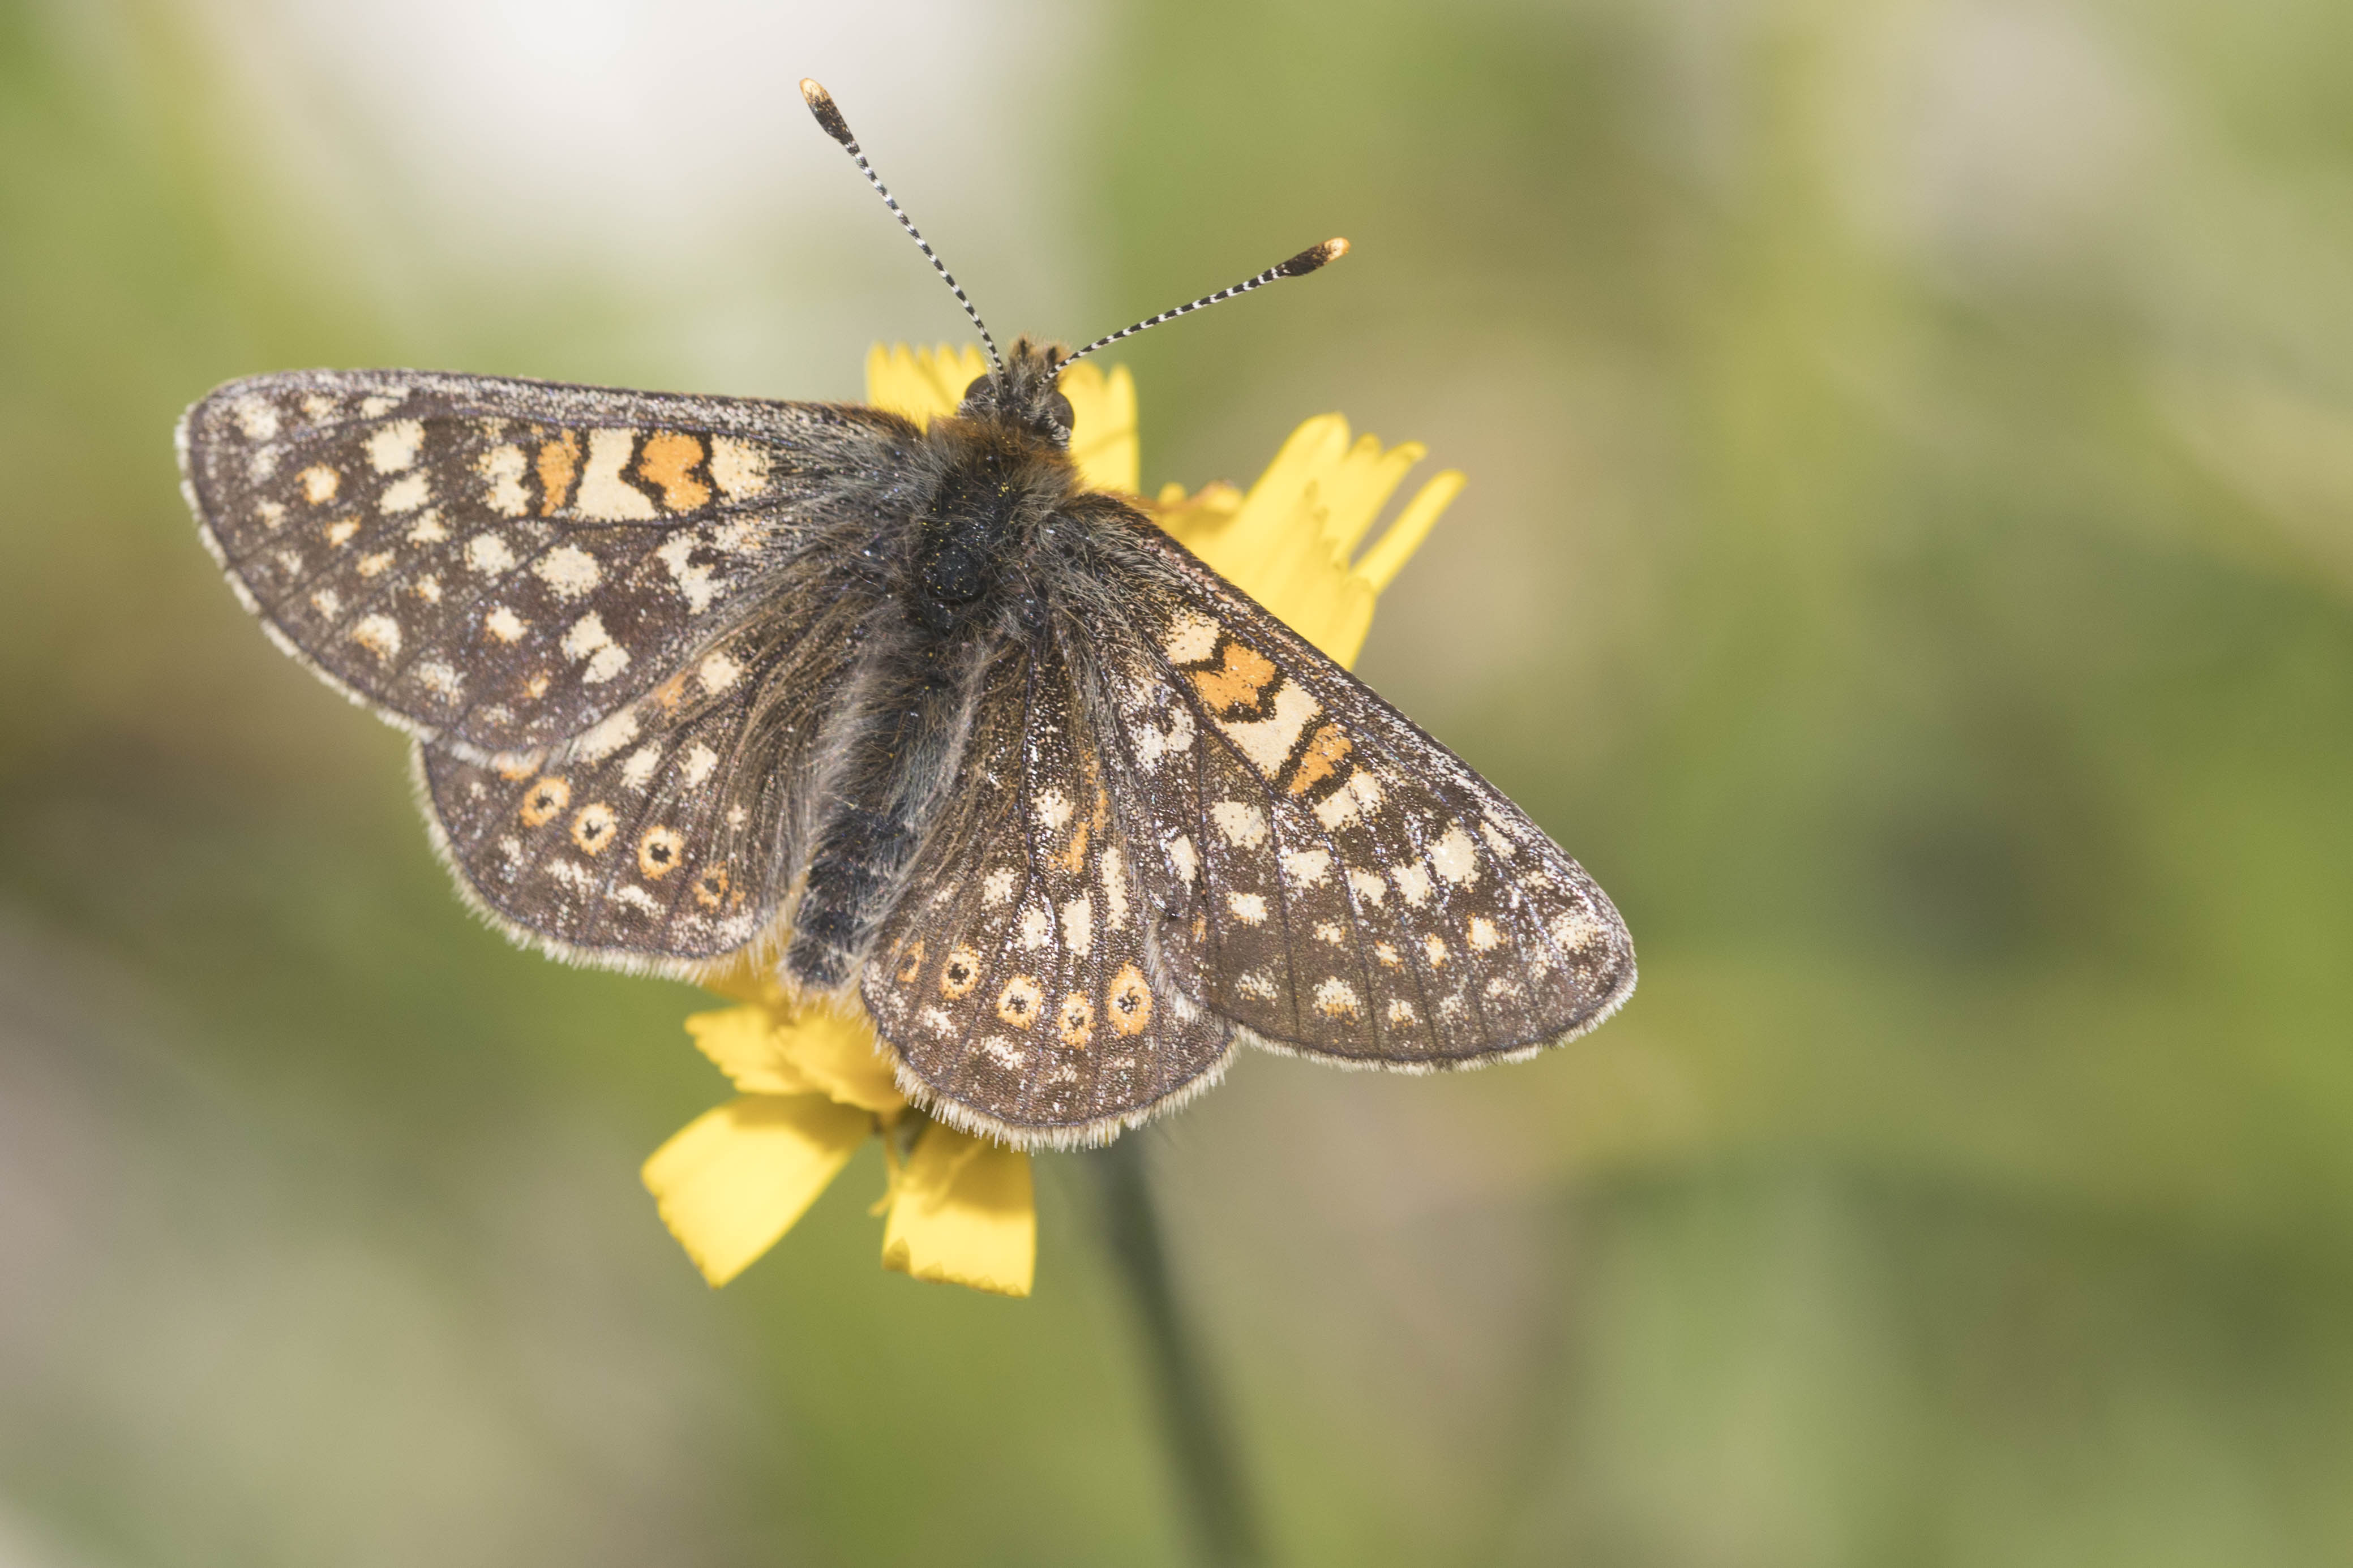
(1024, 393)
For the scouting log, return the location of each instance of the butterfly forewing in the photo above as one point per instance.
(1349, 888)
(499, 565)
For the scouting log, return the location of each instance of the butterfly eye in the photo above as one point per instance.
(1058, 411)
(979, 397)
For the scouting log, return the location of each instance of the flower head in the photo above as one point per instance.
(814, 1082)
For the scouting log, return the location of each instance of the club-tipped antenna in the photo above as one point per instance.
(828, 115)
(1299, 266)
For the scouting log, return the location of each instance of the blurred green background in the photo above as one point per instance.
(1908, 558)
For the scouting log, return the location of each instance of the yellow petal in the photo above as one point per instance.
(1286, 544)
(963, 1211)
(733, 1180)
(1384, 559)
(838, 1054)
(1102, 428)
(922, 383)
(781, 1047)
(744, 1043)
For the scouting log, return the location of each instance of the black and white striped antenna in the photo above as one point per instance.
(1299, 266)
(821, 104)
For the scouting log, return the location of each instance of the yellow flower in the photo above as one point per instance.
(814, 1082)
(814, 1088)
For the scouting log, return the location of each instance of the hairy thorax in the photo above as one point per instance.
(995, 488)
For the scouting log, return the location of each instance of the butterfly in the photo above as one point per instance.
(909, 713)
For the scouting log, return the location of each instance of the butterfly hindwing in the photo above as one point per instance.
(666, 830)
(1020, 981)
(498, 566)
(1349, 889)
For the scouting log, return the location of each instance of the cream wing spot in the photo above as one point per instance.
(1576, 930)
(1079, 926)
(380, 635)
(318, 483)
(738, 467)
(1249, 907)
(1192, 640)
(594, 745)
(1412, 883)
(700, 763)
(504, 624)
(997, 886)
(1268, 743)
(1368, 885)
(396, 446)
(569, 570)
(406, 493)
(1455, 857)
(718, 673)
(1112, 870)
(1483, 936)
(488, 553)
(256, 417)
(695, 580)
(1308, 868)
(604, 494)
(588, 641)
(504, 468)
(1336, 998)
(1242, 824)
(1036, 926)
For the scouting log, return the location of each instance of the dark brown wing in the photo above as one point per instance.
(667, 833)
(499, 565)
(1020, 981)
(1340, 883)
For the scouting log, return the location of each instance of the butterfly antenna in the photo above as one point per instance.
(821, 104)
(1299, 266)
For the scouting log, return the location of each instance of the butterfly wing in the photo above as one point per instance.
(615, 621)
(669, 829)
(1339, 883)
(498, 566)
(1177, 818)
(1020, 980)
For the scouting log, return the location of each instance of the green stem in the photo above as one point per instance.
(1201, 1451)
